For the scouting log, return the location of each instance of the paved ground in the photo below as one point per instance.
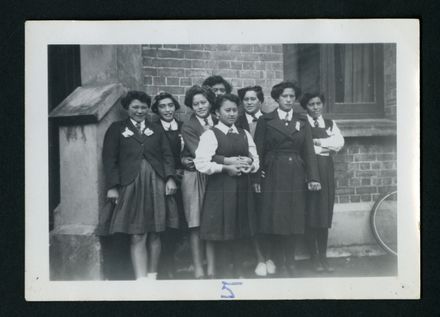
(344, 267)
(118, 265)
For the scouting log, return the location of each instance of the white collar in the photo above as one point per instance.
(250, 118)
(320, 121)
(225, 129)
(202, 121)
(172, 124)
(282, 114)
(135, 122)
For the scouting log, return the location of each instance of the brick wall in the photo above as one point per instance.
(365, 168)
(175, 68)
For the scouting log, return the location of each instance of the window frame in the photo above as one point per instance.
(345, 110)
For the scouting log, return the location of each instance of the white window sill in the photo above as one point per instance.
(367, 127)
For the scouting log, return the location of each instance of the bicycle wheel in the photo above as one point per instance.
(383, 221)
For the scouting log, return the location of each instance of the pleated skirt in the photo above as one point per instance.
(143, 206)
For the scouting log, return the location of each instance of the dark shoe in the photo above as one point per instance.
(282, 272)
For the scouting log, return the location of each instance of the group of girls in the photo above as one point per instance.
(234, 180)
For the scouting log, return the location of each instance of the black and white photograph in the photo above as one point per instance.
(222, 160)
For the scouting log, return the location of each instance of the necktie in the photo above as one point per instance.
(230, 131)
(316, 123)
(254, 118)
(138, 127)
(286, 119)
(206, 121)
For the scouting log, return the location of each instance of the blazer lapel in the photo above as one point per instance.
(242, 122)
(138, 137)
(275, 122)
(196, 124)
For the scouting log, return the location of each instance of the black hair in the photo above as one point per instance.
(195, 90)
(163, 95)
(258, 90)
(307, 96)
(220, 99)
(135, 95)
(217, 79)
(278, 89)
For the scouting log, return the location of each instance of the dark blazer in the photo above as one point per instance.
(242, 122)
(175, 140)
(122, 155)
(191, 132)
(272, 131)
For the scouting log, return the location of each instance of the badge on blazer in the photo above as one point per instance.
(298, 125)
(127, 133)
(148, 132)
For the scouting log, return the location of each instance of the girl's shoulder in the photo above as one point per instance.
(117, 125)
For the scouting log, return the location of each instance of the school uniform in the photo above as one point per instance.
(284, 144)
(137, 162)
(248, 122)
(320, 203)
(228, 209)
(175, 217)
(175, 221)
(193, 182)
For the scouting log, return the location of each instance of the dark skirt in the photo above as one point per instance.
(228, 208)
(283, 194)
(142, 205)
(320, 204)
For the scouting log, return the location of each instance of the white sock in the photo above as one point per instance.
(152, 276)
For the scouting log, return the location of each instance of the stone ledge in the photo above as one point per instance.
(367, 127)
(87, 104)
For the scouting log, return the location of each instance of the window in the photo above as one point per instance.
(349, 75)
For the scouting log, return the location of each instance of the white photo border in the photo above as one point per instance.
(403, 32)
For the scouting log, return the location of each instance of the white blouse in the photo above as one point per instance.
(334, 142)
(203, 123)
(282, 114)
(250, 119)
(208, 145)
(170, 126)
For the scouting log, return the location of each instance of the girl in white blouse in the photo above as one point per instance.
(327, 140)
(227, 154)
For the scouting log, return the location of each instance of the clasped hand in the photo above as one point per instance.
(237, 165)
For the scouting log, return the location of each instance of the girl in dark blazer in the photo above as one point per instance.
(327, 140)
(199, 99)
(252, 98)
(139, 172)
(285, 146)
(165, 106)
